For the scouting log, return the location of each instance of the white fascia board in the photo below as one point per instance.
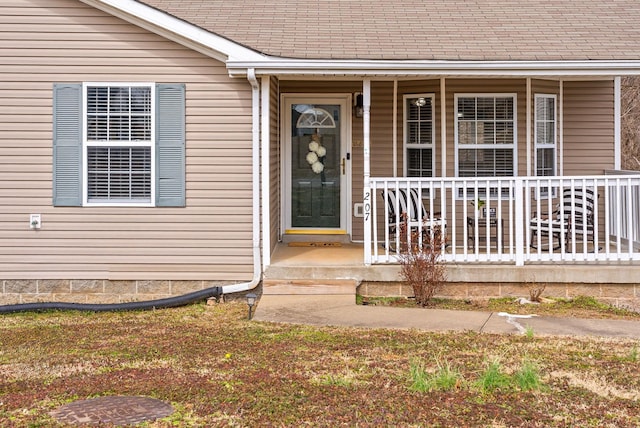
(436, 68)
(176, 30)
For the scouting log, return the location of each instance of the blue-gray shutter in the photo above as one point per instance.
(67, 144)
(170, 145)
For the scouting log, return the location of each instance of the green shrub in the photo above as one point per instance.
(493, 378)
(445, 378)
(528, 377)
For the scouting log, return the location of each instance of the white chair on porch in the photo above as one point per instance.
(403, 206)
(574, 215)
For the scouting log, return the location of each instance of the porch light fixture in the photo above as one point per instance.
(420, 102)
(358, 104)
(251, 301)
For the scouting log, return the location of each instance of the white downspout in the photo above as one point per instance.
(265, 132)
(255, 132)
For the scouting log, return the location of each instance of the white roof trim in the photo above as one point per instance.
(176, 29)
(380, 68)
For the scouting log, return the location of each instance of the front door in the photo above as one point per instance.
(316, 164)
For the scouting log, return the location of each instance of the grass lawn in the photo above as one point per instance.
(218, 369)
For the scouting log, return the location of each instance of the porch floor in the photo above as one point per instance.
(323, 264)
(351, 254)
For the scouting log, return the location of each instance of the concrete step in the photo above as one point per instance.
(309, 286)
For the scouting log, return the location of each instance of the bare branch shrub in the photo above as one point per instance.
(421, 260)
(630, 122)
(535, 292)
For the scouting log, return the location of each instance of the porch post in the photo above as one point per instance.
(528, 126)
(367, 196)
(443, 128)
(561, 125)
(617, 139)
(394, 127)
(519, 220)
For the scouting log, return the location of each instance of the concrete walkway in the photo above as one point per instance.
(341, 310)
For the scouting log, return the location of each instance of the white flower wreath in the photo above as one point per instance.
(316, 154)
(317, 167)
(312, 158)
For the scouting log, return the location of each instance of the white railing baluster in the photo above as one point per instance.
(619, 212)
(630, 218)
(607, 219)
(519, 214)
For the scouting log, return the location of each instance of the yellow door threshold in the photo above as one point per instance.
(315, 244)
(315, 232)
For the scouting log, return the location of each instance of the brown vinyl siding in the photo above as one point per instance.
(47, 41)
(588, 131)
(588, 127)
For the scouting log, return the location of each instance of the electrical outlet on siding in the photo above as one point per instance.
(35, 221)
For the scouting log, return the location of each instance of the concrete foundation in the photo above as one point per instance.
(95, 291)
(622, 295)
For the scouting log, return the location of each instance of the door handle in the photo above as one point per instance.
(342, 163)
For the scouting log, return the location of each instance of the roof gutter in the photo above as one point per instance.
(255, 160)
(393, 69)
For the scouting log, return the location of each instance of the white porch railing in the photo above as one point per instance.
(523, 220)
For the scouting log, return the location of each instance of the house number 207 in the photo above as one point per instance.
(367, 205)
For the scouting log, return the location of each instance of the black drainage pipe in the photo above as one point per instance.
(169, 302)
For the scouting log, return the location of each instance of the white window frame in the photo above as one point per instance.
(513, 146)
(407, 145)
(546, 145)
(135, 143)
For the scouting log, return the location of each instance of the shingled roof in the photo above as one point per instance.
(471, 30)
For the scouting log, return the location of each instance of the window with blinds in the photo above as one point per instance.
(119, 174)
(119, 143)
(545, 137)
(419, 135)
(485, 136)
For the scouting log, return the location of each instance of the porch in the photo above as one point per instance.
(522, 220)
(597, 258)
(321, 270)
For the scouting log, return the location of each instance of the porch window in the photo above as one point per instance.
(545, 136)
(419, 136)
(485, 135)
